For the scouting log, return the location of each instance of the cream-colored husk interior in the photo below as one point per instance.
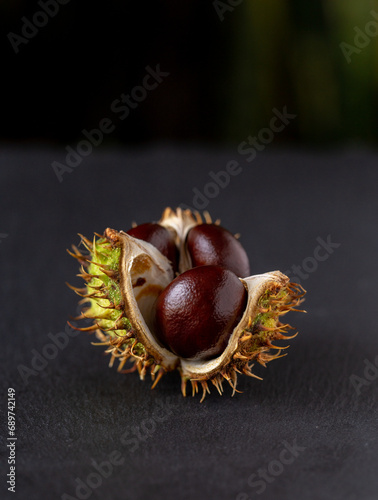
(256, 286)
(145, 274)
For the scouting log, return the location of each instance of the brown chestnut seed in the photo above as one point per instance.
(210, 244)
(124, 277)
(159, 237)
(198, 311)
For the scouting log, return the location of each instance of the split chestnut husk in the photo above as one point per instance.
(125, 276)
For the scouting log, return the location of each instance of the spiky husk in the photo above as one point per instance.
(103, 294)
(114, 319)
(253, 341)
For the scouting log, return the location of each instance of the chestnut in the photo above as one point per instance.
(208, 323)
(211, 244)
(198, 311)
(160, 237)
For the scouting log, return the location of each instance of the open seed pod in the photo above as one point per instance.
(126, 276)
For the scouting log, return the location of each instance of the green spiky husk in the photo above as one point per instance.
(256, 341)
(103, 295)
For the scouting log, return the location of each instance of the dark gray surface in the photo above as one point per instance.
(76, 409)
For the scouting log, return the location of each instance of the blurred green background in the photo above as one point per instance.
(292, 52)
(230, 63)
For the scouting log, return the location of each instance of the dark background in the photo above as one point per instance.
(76, 409)
(318, 177)
(229, 66)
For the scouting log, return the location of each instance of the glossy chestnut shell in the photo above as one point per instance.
(198, 311)
(211, 244)
(160, 237)
(208, 323)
